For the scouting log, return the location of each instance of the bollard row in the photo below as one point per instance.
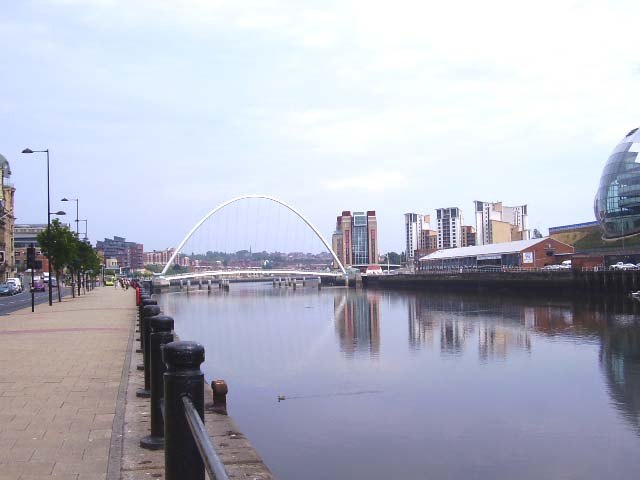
(175, 385)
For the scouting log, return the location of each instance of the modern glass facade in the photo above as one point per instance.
(617, 202)
(360, 248)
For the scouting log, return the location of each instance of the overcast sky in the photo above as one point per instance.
(156, 111)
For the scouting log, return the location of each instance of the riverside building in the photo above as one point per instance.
(497, 223)
(129, 254)
(534, 253)
(419, 238)
(617, 202)
(355, 240)
(449, 227)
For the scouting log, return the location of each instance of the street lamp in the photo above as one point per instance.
(77, 200)
(28, 150)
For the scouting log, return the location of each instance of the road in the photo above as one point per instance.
(16, 302)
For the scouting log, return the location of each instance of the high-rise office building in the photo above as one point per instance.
(497, 223)
(449, 227)
(419, 238)
(355, 240)
(413, 233)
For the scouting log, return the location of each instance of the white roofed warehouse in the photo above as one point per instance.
(534, 253)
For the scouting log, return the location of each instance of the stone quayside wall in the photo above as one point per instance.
(568, 282)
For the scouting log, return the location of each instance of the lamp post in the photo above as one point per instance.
(85, 240)
(77, 200)
(28, 150)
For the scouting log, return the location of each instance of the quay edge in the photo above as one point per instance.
(570, 282)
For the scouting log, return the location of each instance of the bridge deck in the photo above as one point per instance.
(255, 273)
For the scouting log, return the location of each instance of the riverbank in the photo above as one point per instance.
(68, 408)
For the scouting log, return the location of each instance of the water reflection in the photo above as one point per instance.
(498, 327)
(519, 385)
(620, 361)
(357, 320)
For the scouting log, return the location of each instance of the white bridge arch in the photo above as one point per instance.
(244, 197)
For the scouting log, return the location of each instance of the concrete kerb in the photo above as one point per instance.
(114, 464)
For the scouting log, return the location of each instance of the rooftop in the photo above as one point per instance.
(491, 249)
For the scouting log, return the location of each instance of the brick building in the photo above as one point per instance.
(355, 240)
(129, 254)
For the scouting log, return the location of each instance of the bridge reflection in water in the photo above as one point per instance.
(525, 388)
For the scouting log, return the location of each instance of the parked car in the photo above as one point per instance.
(38, 285)
(7, 289)
(17, 282)
(552, 267)
(623, 266)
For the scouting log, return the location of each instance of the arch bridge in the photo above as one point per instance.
(265, 273)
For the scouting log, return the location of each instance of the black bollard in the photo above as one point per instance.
(161, 334)
(148, 311)
(143, 302)
(143, 297)
(182, 378)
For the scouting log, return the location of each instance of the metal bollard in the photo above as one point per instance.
(161, 334)
(183, 378)
(148, 311)
(143, 297)
(220, 390)
(146, 300)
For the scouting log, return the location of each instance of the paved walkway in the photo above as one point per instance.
(61, 368)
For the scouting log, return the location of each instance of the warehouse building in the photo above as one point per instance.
(534, 253)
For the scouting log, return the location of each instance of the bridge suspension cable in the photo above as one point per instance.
(244, 197)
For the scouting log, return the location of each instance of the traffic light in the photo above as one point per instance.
(31, 257)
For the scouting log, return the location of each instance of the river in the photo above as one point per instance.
(335, 383)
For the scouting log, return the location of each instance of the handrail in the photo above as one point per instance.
(211, 460)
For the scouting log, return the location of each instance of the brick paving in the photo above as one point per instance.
(61, 369)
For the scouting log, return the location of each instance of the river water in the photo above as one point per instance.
(381, 385)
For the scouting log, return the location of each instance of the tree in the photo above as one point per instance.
(394, 258)
(536, 233)
(88, 259)
(59, 244)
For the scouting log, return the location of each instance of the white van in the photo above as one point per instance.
(16, 281)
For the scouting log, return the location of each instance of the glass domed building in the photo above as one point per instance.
(617, 202)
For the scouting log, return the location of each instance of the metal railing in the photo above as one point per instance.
(212, 462)
(559, 269)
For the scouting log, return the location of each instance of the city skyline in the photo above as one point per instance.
(202, 102)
